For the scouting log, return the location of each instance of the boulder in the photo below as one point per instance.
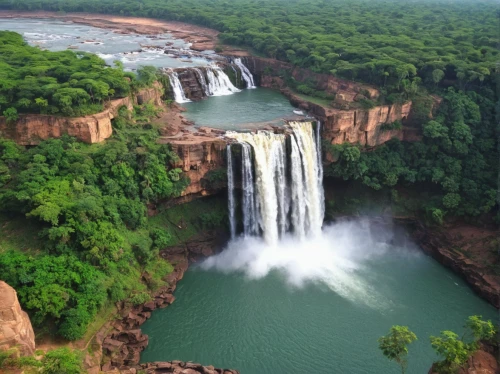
(15, 326)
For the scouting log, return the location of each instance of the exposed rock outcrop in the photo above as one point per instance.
(481, 362)
(441, 245)
(31, 129)
(266, 67)
(15, 326)
(363, 126)
(199, 153)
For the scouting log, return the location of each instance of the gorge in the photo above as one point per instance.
(207, 166)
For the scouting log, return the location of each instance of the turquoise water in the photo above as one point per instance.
(259, 312)
(244, 110)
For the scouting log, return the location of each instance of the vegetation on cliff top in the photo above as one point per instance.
(88, 205)
(66, 83)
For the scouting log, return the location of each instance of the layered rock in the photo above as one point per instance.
(348, 90)
(199, 153)
(31, 129)
(351, 125)
(15, 326)
(472, 263)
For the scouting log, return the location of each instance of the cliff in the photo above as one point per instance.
(199, 153)
(363, 126)
(15, 326)
(31, 129)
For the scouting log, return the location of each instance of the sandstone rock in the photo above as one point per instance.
(30, 129)
(15, 325)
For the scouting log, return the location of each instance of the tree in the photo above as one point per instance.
(454, 351)
(11, 115)
(480, 330)
(394, 345)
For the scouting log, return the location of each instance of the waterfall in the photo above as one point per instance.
(175, 83)
(202, 80)
(219, 83)
(250, 218)
(320, 167)
(230, 192)
(245, 73)
(268, 200)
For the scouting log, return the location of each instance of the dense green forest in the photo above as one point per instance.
(408, 49)
(380, 42)
(68, 83)
(89, 202)
(90, 236)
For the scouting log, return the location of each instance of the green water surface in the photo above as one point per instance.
(266, 326)
(244, 110)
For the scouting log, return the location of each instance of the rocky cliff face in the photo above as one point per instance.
(348, 90)
(15, 326)
(199, 154)
(31, 129)
(363, 126)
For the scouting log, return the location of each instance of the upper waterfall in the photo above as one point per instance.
(287, 193)
(176, 85)
(245, 73)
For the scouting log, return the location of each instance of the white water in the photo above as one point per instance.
(202, 80)
(179, 95)
(250, 218)
(245, 73)
(219, 83)
(230, 191)
(274, 201)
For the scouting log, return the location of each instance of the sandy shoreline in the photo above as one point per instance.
(202, 38)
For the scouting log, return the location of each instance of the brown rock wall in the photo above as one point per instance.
(31, 129)
(15, 326)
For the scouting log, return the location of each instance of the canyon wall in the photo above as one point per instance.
(15, 326)
(352, 125)
(31, 129)
(199, 155)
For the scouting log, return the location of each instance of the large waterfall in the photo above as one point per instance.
(286, 192)
(245, 73)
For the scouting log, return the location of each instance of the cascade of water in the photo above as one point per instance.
(230, 192)
(175, 83)
(202, 80)
(268, 151)
(250, 212)
(276, 207)
(302, 132)
(219, 83)
(320, 168)
(245, 73)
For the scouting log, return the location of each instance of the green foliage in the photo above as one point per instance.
(394, 345)
(11, 115)
(68, 83)
(454, 351)
(89, 206)
(456, 160)
(62, 361)
(140, 298)
(481, 330)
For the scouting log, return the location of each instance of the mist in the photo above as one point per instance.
(339, 258)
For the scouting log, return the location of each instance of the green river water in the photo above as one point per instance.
(314, 307)
(244, 110)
